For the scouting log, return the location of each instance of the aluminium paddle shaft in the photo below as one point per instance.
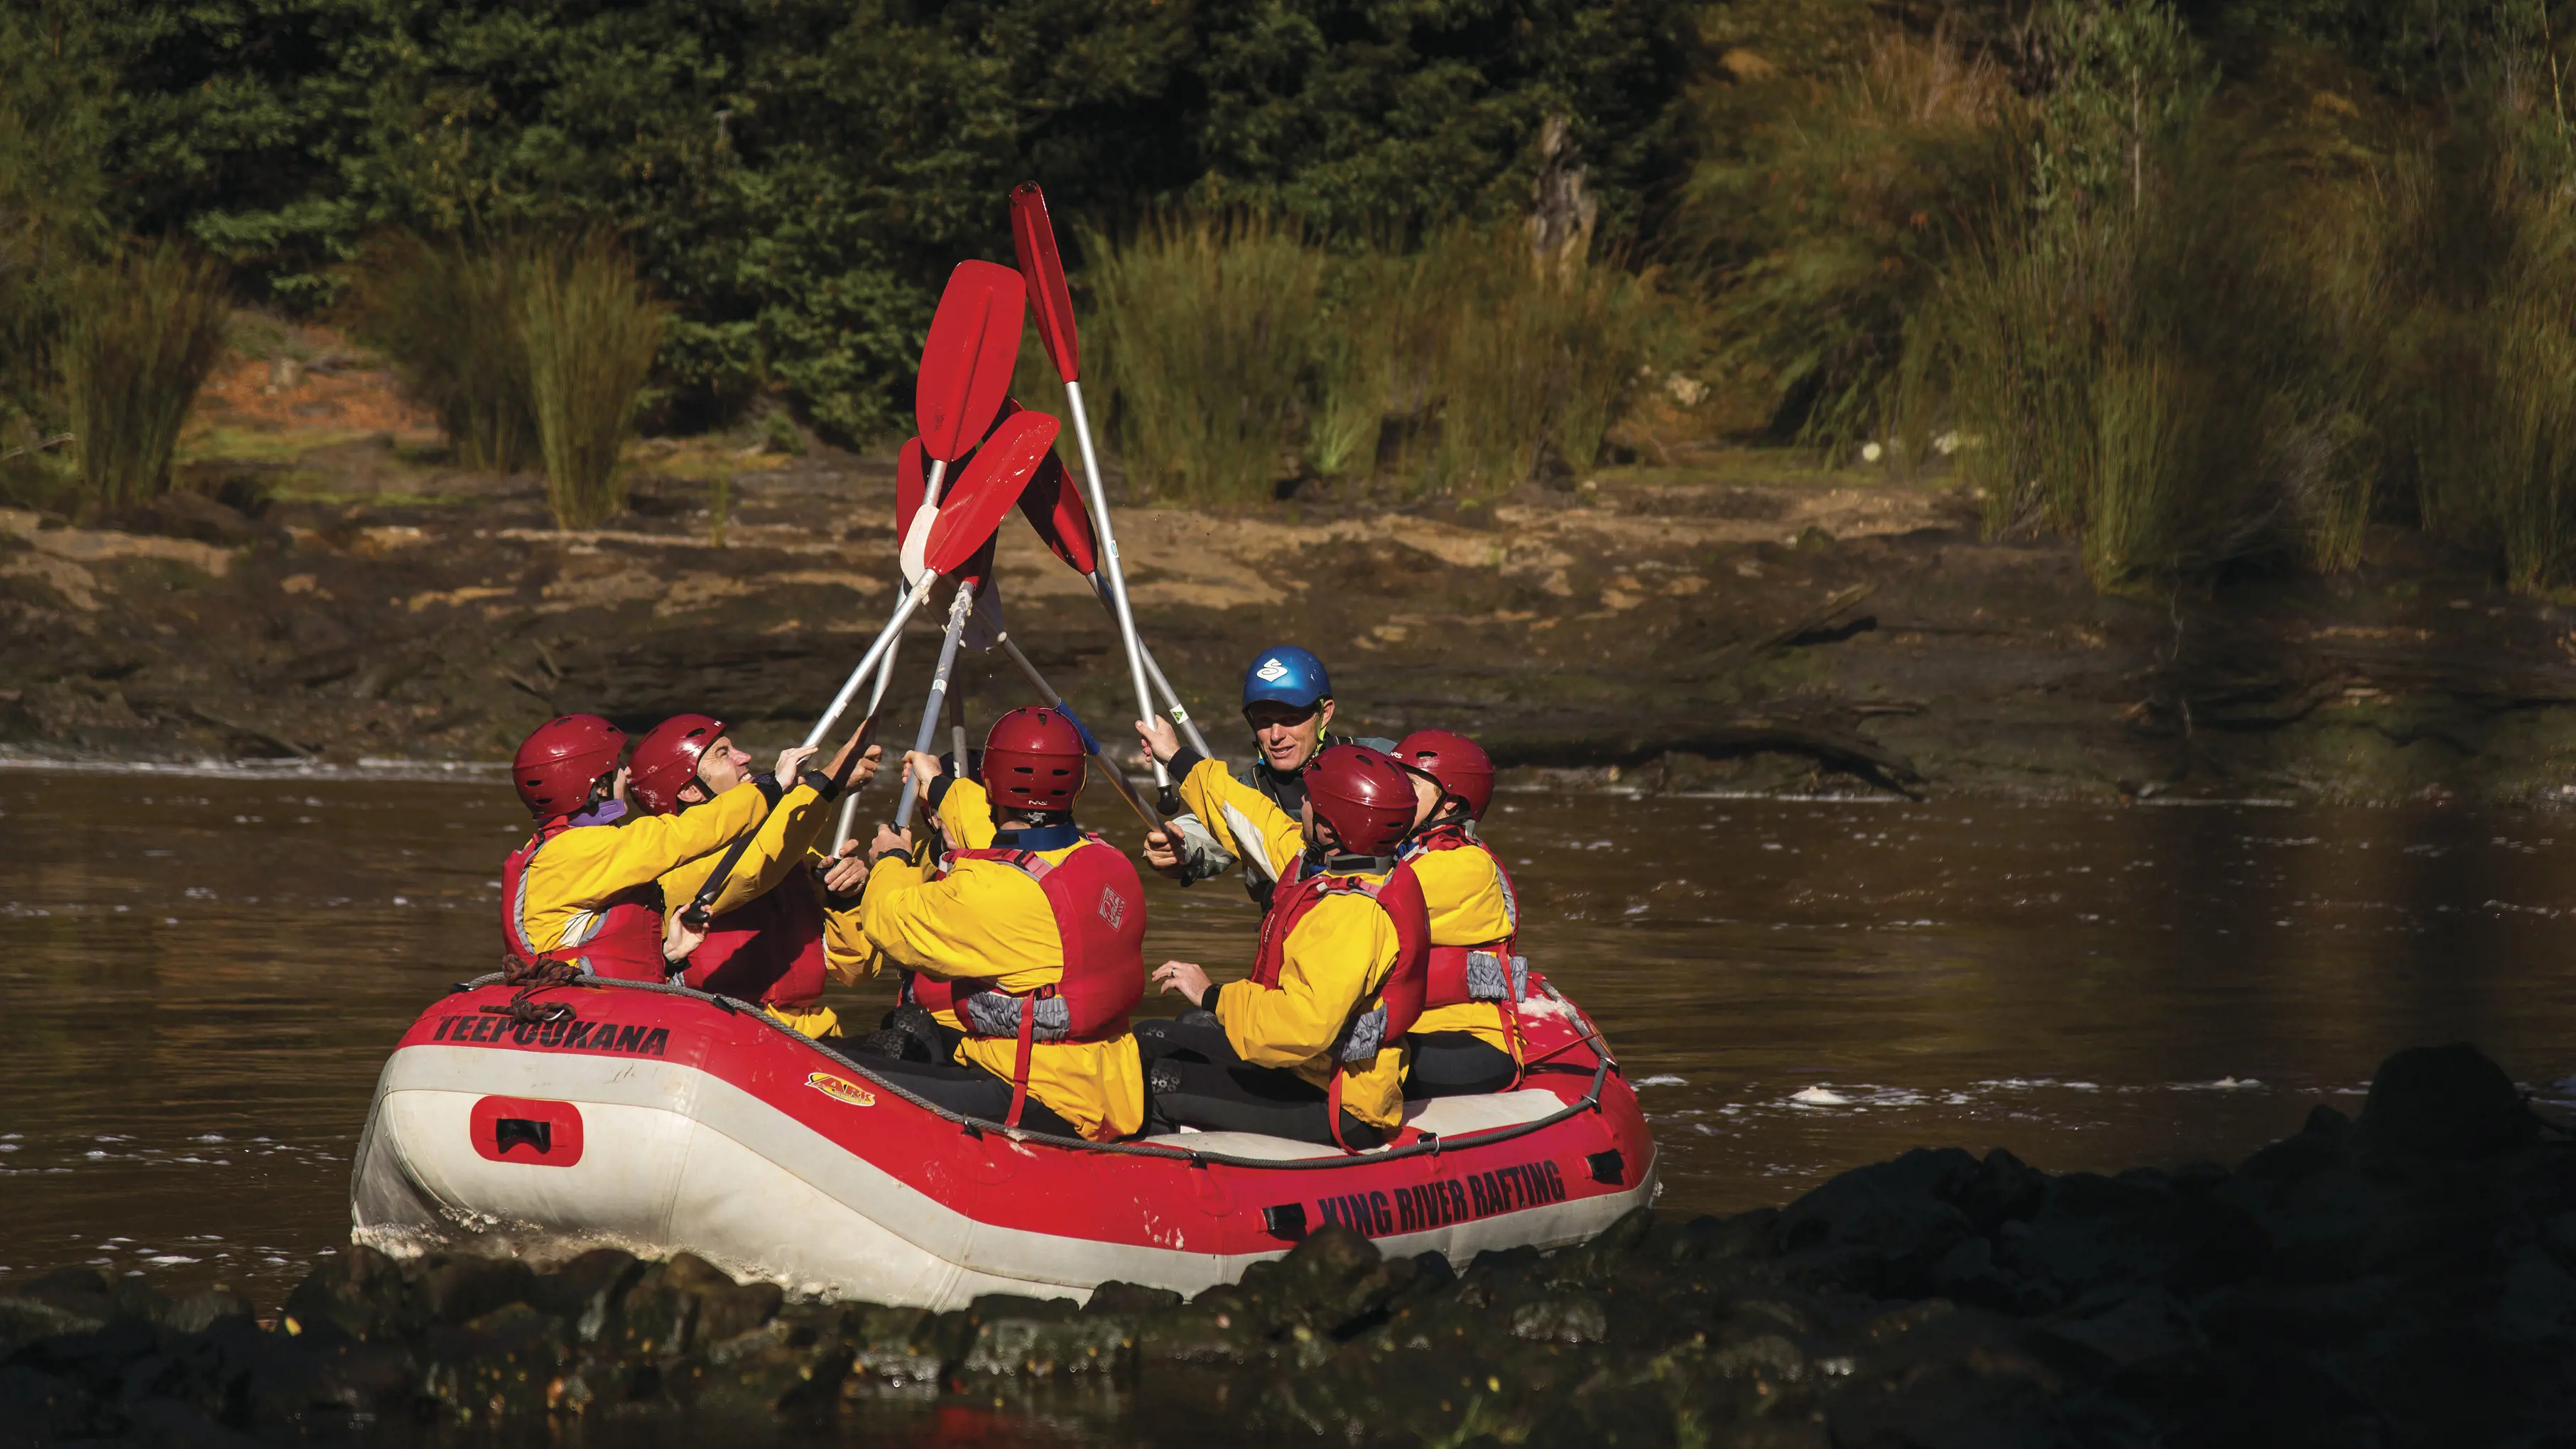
(1109, 564)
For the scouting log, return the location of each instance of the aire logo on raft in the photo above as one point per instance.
(571, 1035)
(1440, 1203)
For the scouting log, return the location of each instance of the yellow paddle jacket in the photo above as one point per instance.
(578, 870)
(1333, 964)
(1469, 907)
(987, 920)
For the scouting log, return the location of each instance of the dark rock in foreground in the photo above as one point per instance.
(2401, 1280)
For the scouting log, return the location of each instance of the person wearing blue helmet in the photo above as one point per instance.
(1288, 702)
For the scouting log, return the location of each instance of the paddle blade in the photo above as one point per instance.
(966, 365)
(987, 489)
(1053, 505)
(1033, 235)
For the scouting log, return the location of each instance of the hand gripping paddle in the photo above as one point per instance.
(1033, 236)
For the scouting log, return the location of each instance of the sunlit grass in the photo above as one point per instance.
(145, 330)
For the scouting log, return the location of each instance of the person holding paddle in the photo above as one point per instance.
(1467, 1040)
(1288, 701)
(1035, 942)
(1312, 1045)
(776, 927)
(581, 890)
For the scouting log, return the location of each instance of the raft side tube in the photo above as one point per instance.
(702, 1125)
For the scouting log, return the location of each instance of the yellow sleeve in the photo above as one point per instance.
(780, 845)
(581, 868)
(985, 919)
(966, 816)
(1249, 824)
(1468, 902)
(1336, 958)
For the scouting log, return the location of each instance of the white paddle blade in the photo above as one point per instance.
(914, 555)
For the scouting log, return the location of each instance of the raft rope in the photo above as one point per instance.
(1428, 1144)
(532, 977)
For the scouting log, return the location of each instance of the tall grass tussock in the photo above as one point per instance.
(532, 354)
(447, 314)
(591, 333)
(1241, 354)
(145, 328)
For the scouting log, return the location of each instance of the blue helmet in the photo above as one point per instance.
(1286, 675)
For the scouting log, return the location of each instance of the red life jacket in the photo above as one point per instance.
(1099, 909)
(1401, 999)
(768, 949)
(1492, 971)
(620, 937)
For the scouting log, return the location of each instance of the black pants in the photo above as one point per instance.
(1456, 1064)
(970, 1091)
(1194, 1078)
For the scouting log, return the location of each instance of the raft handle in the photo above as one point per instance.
(1287, 1220)
(1607, 1166)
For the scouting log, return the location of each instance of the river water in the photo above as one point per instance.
(202, 972)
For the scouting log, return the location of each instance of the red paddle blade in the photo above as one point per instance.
(966, 365)
(1054, 508)
(992, 483)
(1033, 235)
(911, 484)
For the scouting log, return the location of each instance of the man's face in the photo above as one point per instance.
(1319, 836)
(1288, 736)
(1426, 800)
(721, 768)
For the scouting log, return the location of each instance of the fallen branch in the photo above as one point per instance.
(251, 731)
(40, 445)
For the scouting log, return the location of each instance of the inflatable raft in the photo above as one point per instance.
(658, 1119)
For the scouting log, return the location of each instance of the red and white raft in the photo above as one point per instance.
(659, 1119)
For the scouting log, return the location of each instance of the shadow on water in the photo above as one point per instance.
(204, 973)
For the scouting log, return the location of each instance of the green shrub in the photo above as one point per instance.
(1529, 358)
(1825, 206)
(1242, 354)
(591, 332)
(448, 315)
(144, 329)
(1206, 336)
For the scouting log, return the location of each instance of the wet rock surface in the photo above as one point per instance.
(2401, 1279)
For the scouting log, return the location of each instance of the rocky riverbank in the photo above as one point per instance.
(2402, 1279)
(1723, 620)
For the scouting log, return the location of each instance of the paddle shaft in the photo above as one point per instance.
(1119, 604)
(1171, 702)
(868, 661)
(850, 798)
(849, 817)
(958, 608)
(1108, 768)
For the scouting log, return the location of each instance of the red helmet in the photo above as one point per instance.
(561, 760)
(1033, 760)
(666, 760)
(1364, 795)
(1457, 762)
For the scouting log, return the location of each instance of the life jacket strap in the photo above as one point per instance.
(1020, 1063)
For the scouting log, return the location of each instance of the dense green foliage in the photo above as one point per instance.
(796, 177)
(2197, 283)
